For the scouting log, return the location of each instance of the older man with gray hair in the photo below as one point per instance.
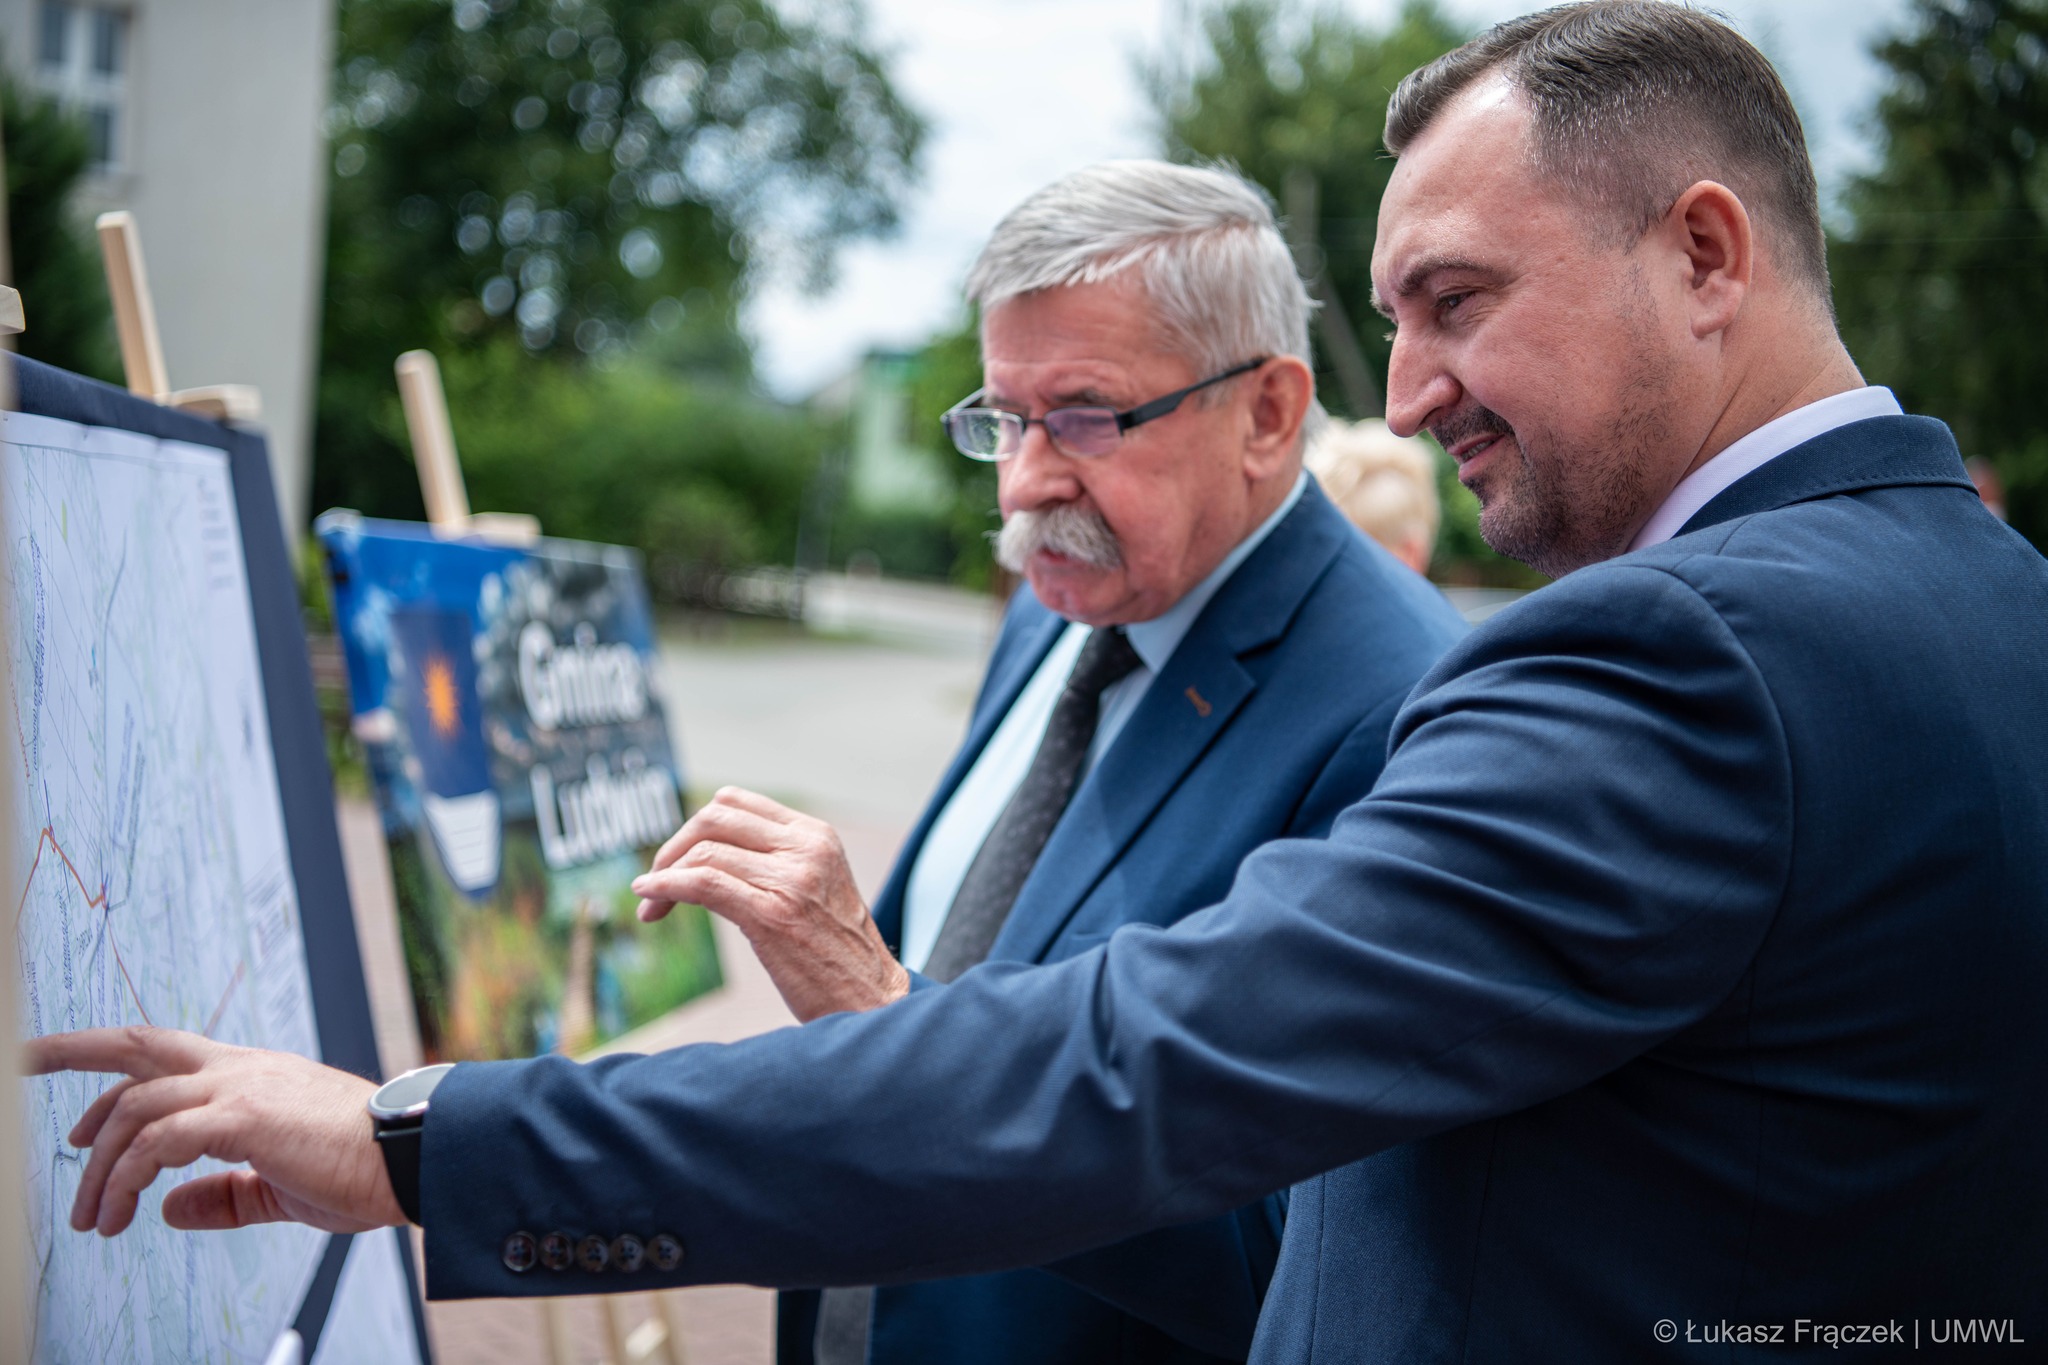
(1205, 658)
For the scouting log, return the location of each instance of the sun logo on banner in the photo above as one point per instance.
(444, 707)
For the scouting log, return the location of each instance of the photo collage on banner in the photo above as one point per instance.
(505, 704)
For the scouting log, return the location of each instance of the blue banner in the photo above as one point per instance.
(505, 702)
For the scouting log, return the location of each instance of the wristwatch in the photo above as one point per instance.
(398, 1114)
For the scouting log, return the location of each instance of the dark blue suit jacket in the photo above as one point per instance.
(1685, 965)
(1270, 718)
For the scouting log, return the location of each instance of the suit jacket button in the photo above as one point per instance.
(592, 1254)
(557, 1251)
(628, 1254)
(519, 1252)
(665, 1251)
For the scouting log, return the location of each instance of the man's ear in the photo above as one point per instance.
(1281, 391)
(1712, 232)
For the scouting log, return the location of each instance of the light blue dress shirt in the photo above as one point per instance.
(978, 802)
(1752, 452)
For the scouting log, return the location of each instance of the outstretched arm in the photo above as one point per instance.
(1580, 839)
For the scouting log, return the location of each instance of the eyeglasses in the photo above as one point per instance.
(1083, 432)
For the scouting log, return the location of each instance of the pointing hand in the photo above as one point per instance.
(301, 1127)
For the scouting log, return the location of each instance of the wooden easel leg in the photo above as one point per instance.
(142, 350)
(611, 1309)
(555, 1331)
(670, 1306)
(656, 1334)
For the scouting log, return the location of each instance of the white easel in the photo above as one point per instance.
(433, 451)
(142, 350)
(447, 499)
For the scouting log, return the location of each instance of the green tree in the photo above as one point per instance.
(582, 179)
(56, 262)
(948, 369)
(1941, 278)
(1297, 101)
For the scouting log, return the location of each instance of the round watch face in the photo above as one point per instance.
(404, 1097)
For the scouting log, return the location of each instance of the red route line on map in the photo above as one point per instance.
(222, 1007)
(92, 902)
(48, 839)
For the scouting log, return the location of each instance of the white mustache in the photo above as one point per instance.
(1074, 532)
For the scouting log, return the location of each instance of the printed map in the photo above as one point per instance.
(154, 881)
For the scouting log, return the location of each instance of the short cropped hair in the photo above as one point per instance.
(1633, 101)
(1384, 484)
(1201, 241)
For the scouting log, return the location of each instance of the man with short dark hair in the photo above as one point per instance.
(1678, 983)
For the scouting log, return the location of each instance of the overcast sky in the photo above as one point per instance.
(1019, 92)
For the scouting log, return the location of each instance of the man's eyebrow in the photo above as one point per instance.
(1076, 395)
(1420, 271)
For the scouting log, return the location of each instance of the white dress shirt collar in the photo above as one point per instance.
(1156, 639)
(961, 828)
(1757, 449)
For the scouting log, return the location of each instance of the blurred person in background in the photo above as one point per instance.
(1385, 484)
(1990, 488)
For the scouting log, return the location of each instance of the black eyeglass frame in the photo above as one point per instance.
(1131, 417)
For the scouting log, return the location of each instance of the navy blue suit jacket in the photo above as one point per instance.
(1271, 716)
(1685, 964)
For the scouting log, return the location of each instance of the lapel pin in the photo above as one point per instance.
(1202, 708)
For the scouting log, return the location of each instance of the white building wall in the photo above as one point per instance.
(219, 152)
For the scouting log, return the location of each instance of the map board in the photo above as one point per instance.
(174, 845)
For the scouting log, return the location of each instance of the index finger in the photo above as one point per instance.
(756, 804)
(716, 815)
(677, 844)
(137, 1050)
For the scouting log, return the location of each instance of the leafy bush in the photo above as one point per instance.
(56, 261)
(948, 369)
(701, 527)
(699, 476)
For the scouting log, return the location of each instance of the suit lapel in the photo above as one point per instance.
(1031, 632)
(1185, 710)
(1876, 452)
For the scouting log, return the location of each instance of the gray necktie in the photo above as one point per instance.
(989, 890)
(1011, 850)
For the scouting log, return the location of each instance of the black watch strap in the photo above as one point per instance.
(401, 1144)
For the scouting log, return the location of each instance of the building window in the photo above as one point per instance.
(81, 59)
(107, 25)
(56, 28)
(99, 126)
